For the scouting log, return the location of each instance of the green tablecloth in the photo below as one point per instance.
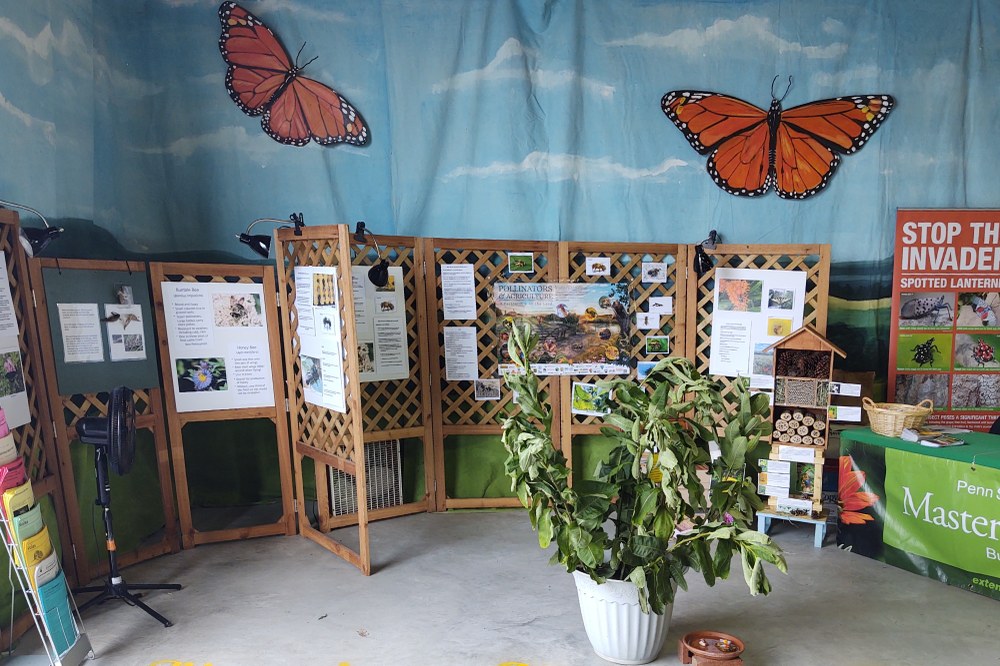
(981, 445)
(928, 510)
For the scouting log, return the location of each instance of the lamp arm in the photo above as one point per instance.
(11, 204)
(378, 251)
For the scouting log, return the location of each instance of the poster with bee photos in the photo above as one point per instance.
(751, 310)
(219, 352)
(945, 333)
(380, 323)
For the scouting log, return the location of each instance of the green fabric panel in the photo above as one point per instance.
(68, 285)
(588, 452)
(231, 463)
(136, 504)
(412, 459)
(473, 467)
(981, 445)
(7, 586)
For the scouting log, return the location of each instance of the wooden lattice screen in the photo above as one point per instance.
(149, 416)
(398, 408)
(34, 440)
(813, 259)
(327, 437)
(625, 265)
(455, 408)
(224, 274)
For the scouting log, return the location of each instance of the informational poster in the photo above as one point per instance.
(460, 359)
(321, 354)
(582, 328)
(80, 327)
(458, 292)
(219, 352)
(380, 323)
(945, 336)
(753, 309)
(13, 395)
(126, 340)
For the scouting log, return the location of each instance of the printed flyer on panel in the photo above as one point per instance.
(217, 335)
(946, 315)
(583, 329)
(380, 322)
(322, 352)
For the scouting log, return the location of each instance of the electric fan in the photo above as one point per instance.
(113, 438)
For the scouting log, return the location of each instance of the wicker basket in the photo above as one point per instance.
(889, 418)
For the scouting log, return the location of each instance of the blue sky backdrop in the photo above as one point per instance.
(489, 118)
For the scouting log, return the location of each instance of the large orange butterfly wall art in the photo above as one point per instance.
(263, 79)
(795, 151)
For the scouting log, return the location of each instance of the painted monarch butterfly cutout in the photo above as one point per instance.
(262, 79)
(795, 151)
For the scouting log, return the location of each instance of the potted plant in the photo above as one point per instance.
(633, 532)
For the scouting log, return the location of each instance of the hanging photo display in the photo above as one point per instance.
(219, 351)
(945, 336)
(380, 323)
(753, 308)
(321, 350)
(583, 329)
(13, 395)
(126, 339)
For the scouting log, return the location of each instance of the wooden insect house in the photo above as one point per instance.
(792, 476)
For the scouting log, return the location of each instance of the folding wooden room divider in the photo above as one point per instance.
(34, 440)
(624, 264)
(259, 291)
(814, 260)
(371, 412)
(80, 390)
(456, 411)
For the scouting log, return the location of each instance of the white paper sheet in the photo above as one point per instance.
(460, 361)
(80, 326)
(458, 292)
(126, 337)
(321, 356)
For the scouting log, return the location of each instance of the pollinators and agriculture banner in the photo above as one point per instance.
(946, 315)
(928, 513)
(582, 329)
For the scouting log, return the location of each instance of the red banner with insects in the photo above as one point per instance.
(945, 336)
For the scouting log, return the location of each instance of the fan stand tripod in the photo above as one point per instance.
(115, 586)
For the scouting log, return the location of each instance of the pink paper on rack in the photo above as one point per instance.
(4, 430)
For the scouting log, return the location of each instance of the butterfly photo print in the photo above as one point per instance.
(263, 79)
(795, 151)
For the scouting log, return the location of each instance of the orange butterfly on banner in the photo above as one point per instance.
(262, 79)
(795, 151)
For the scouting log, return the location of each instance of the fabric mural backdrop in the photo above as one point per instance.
(486, 118)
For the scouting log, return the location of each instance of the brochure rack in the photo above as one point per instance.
(52, 636)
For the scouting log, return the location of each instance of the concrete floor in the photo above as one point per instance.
(473, 588)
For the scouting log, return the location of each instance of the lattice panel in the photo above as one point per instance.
(625, 264)
(814, 260)
(313, 426)
(30, 439)
(459, 406)
(393, 404)
(84, 405)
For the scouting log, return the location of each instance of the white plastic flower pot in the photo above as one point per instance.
(617, 628)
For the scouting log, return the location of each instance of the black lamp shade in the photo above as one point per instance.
(702, 262)
(35, 240)
(258, 243)
(379, 273)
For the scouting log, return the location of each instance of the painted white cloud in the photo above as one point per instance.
(77, 53)
(258, 146)
(304, 11)
(757, 29)
(557, 167)
(47, 128)
(508, 65)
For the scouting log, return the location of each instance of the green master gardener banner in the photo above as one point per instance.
(934, 516)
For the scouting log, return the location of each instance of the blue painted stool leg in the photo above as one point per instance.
(763, 523)
(819, 535)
